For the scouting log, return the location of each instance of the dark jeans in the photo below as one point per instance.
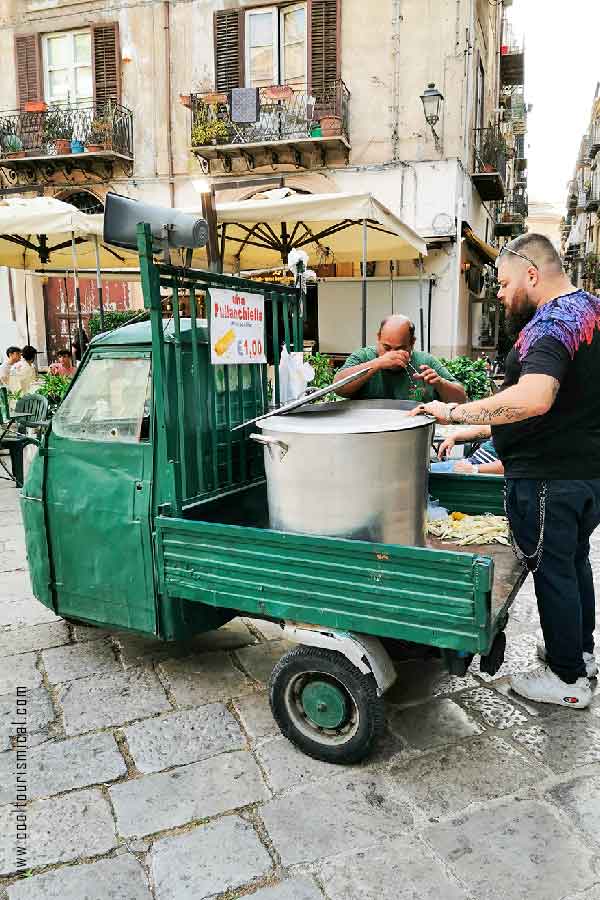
(564, 585)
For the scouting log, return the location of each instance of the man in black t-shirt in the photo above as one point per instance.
(546, 428)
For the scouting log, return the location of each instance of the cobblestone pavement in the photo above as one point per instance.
(156, 771)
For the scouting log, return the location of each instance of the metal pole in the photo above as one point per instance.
(99, 283)
(364, 284)
(77, 294)
(210, 214)
(421, 313)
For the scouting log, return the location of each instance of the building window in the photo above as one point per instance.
(276, 46)
(67, 57)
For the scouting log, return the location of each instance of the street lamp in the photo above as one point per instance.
(432, 101)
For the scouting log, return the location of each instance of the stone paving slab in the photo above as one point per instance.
(349, 811)
(433, 724)
(446, 781)
(156, 802)
(60, 829)
(261, 659)
(292, 889)
(19, 671)
(104, 700)
(15, 612)
(12, 554)
(520, 656)
(211, 859)
(520, 850)
(563, 743)
(178, 738)
(121, 878)
(580, 798)
(33, 637)
(79, 661)
(286, 767)
(91, 633)
(257, 718)
(40, 714)
(271, 631)
(63, 765)
(204, 679)
(399, 869)
(136, 649)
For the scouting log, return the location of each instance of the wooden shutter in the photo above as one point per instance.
(324, 53)
(106, 63)
(29, 69)
(229, 49)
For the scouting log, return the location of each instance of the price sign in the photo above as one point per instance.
(237, 327)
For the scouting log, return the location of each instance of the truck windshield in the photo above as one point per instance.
(108, 402)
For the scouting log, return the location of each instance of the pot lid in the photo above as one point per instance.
(350, 420)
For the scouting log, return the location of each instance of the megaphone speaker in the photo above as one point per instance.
(122, 216)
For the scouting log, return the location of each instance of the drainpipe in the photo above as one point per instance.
(470, 31)
(169, 94)
(396, 22)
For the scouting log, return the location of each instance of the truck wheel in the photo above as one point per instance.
(325, 705)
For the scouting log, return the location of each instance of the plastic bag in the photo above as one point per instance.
(294, 375)
(435, 511)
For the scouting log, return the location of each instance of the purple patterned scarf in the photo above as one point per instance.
(571, 319)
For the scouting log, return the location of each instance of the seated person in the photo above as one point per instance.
(397, 371)
(63, 365)
(483, 462)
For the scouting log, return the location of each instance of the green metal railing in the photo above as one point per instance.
(197, 404)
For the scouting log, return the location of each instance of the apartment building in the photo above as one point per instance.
(420, 102)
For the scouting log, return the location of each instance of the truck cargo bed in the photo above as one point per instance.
(224, 555)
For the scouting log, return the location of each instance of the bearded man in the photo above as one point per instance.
(546, 428)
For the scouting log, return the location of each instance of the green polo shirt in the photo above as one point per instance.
(396, 384)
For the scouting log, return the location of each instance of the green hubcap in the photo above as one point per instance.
(324, 704)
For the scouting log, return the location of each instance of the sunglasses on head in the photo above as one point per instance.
(520, 255)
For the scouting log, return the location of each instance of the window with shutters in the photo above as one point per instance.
(276, 46)
(67, 57)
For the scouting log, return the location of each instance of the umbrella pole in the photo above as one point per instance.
(99, 283)
(364, 285)
(421, 313)
(77, 294)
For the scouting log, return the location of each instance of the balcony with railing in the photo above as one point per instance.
(64, 134)
(594, 138)
(593, 193)
(270, 125)
(512, 214)
(489, 163)
(512, 56)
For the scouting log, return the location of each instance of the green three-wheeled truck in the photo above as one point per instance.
(145, 511)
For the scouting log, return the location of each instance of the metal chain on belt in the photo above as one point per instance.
(537, 554)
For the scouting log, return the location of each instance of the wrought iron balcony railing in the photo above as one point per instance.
(594, 138)
(490, 151)
(63, 129)
(283, 115)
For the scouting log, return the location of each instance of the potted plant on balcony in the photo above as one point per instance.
(12, 146)
(35, 106)
(58, 129)
(99, 134)
(213, 131)
(331, 125)
(493, 147)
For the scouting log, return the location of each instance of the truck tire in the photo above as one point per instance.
(326, 706)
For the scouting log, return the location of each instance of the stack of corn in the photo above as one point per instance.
(458, 528)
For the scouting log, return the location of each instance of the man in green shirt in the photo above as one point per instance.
(397, 371)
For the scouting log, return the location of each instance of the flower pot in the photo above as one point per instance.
(95, 148)
(62, 146)
(331, 126)
(35, 106)
(316, 131)
(17, 154)
(488, 167)
(77, 146)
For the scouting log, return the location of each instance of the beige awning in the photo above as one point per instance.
(261, 231)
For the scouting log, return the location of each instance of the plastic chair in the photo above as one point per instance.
(30, 412)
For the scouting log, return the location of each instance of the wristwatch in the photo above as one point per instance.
(476, 469)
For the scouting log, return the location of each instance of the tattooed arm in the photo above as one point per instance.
(532, 396)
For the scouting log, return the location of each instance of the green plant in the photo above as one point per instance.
(472, 374)
(211, 130)
(113, 318)
(324, 374)
(12, 143)
(54, 387)
(58, 123)
(591, 269)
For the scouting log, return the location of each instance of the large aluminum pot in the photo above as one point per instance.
(351, 469)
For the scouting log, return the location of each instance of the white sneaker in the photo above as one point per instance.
(544, 686)
(591, 666)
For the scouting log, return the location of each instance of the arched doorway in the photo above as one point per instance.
(84, 201)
